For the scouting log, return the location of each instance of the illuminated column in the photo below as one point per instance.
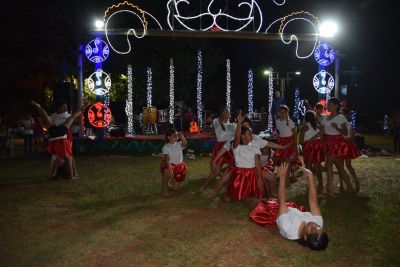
(250, 93)
(296, 111)
(199, 88)
(228, 84)
(353, 118)
(149, 86)
(129, 101)
(171, 91)
(270, 99)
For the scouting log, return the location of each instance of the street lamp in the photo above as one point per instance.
(266, 72)
(99, 24)
(328, 29)
(298, 73)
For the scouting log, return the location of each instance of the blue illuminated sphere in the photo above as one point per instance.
(324, 54)
(97, 51)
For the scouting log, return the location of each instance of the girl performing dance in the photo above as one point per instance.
(313, 146)
(335, 145)
(173, 169)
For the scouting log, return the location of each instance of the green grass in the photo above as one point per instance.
(114, 216)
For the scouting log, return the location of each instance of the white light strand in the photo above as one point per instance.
(250, 88)
(129, 100)
(149, 86)
(199, 88)
(297, 105)
(171, 91)
(353, 118)
(228, 84)
(270, 100)
(386, 122)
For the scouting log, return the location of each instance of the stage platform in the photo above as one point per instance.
(141, 144)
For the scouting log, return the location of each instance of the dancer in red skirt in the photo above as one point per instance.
(353, 151)
(224, 132)
(335, 145)
(173, 168)
(313, 146)
(59, 147)
(287, 135)
(246, 181)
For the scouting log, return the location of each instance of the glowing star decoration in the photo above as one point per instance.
(270, 100)
(200, 88)
(99, 83)
(250, 88)
(97, 50)
(228, 84)
(99, 115)
(129, 100)
(171, 91)
(129, 9)
(216, 16)
(323, 82)
(149, 87)
(324, 54)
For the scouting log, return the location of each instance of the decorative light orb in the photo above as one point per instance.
(99, 83)
(99, 24)
(328, 29)
(97, 51)
(99, 115)
(325, 54)
(323, 82)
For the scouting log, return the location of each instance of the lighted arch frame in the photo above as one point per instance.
(99, 82)
(97, 51)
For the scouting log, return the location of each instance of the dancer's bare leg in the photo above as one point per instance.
(221, 183)
(353, 174)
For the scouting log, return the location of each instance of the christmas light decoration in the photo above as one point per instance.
(386, 122)
(149, 87)
(323, 82)
(228, 84)
(171, 91)
(324, 54)
(250, 93)
(353, 118)
(199, 88)
(129, 100)
(296, 111)
(99, 83)
(99, 115)
(97, 51)
(270, 100)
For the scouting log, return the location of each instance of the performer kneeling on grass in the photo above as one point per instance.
(303, 226)
(58, 147)
(173, 169)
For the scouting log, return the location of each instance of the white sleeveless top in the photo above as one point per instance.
(310, 133)
(245, 156)
(285, 127)
(329, 130)
(223, 136)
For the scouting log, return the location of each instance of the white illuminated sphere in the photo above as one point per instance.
(328, 29)
(99, 24)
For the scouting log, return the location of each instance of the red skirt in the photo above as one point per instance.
(353, 151)
(243, 183)
(289, 155)
(179, 170)
(336, 146)
(269, 167)
(60, 148)
(314, 151)
(266, 212)
(226, 158)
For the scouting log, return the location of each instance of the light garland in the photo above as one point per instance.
(175, 6)
(228, 84)
(386, 122)
(199, 88)
(270, 100)
(129, 100)
(296, 111)
(353, 118)
(149, 87)
(250, 93)
(171, 91)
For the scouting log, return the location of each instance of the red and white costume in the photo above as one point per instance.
(223, 136)
(335, 144)
(174, 151)
(314, 148)
(60, 118)
(244, 178)
(59, 146)
(353, 151)
(286, 136)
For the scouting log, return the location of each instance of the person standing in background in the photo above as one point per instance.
(276, 103)
(396, 130)
(28, 124)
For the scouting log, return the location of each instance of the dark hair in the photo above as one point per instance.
(247, 119)
(220, 114)
(317, 242)
(336, 102)
(243, 130)
(310, 117)
(168, 133)
(60, 103)
(283, 107)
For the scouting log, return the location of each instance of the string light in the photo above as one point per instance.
(129, 100)
(171, 91)
(199, 87)
(149, 86)
(97, 50)
(270, 100)
(250, 88)
(353, 118)
(296, 111)
(280, 3)
(228, 84)
(254, 16)
(386, 122)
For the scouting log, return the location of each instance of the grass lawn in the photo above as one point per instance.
(114, 216)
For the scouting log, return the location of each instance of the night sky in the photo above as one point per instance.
(37, 36)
